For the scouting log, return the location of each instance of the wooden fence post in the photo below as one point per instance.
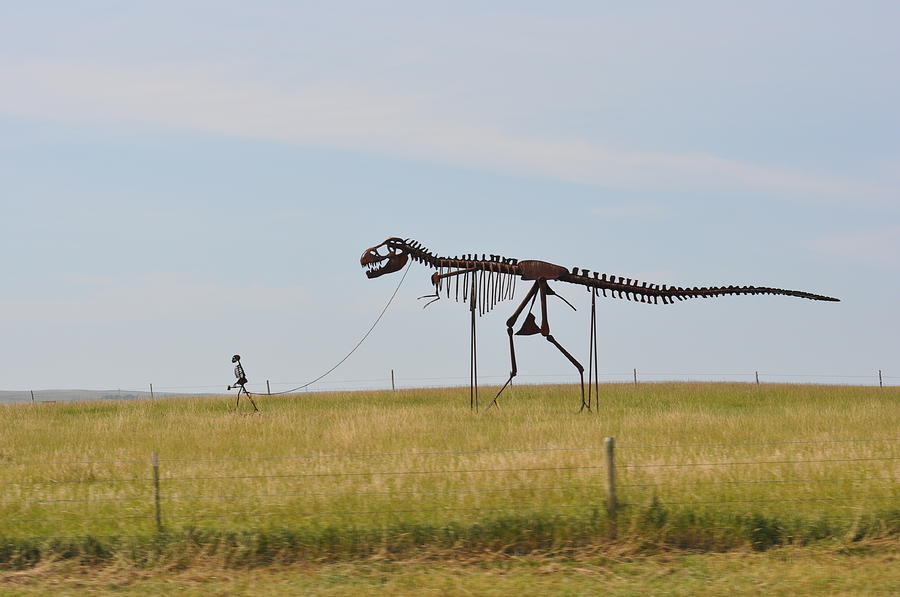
(393, 387)
(880, 379)
(32, 396)
(635, 377)
(268, 389)
(151, 392)
(157, 510)
(757, 378)
(609, 444)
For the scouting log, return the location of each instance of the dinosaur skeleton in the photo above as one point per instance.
(484, 281)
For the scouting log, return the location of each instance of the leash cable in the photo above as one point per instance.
(358, 344)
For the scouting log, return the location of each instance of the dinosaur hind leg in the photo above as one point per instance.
(510, 323)
(578, 366)
(545, 331)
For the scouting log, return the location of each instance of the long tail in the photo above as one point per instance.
(620, 287)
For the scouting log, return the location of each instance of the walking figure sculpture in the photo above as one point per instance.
(240, 383)
(487, 280)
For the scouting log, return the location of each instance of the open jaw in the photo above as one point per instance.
(378, 264)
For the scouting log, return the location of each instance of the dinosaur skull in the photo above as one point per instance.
(393, 261)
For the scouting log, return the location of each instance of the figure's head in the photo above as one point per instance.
(236, 358)
(393, 260)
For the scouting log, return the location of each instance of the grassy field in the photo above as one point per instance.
(868, 568)
(389, 475)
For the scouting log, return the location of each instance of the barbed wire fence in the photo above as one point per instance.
(143, 496)
(394, 382)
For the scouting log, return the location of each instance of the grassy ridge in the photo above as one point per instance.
(299, 480)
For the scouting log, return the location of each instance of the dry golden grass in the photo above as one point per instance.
(867, 569)
(362, 462)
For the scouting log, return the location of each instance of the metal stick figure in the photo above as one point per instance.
(239, 384)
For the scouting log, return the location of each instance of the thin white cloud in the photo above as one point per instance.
(876, 247)
(152, 297)
(366, 120)
(627, 210)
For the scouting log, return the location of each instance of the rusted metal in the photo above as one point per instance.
(491, 279)
(240, 383)
(531, 269)
(593, 360)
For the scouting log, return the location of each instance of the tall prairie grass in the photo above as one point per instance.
(699, 465)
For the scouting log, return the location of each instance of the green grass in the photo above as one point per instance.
(298, 481)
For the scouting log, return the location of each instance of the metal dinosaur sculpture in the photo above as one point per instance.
(487, 280)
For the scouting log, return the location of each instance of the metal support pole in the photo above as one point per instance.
(268, 389)
(757, 378)
(32, 396)
(593, 373)
(151, 391)
(635, 377)
(609, 444)
(156, 504)
(393, 387)
(473, 349)
(475, 360)
(473, 366)
(596, 361)
(880, 379)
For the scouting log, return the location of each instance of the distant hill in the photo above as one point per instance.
(7, 396)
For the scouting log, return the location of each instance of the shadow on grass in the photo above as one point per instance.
(650, 528)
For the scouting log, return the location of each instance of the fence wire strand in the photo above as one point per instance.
(446, 452)
(507, 508)
(592, 496)
(756, 482)
(384, 383)
(689, 464)
(312, 494)
(234, 496)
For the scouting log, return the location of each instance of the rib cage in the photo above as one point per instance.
(494, 278)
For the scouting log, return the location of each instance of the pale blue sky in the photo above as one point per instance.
(181, 181)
